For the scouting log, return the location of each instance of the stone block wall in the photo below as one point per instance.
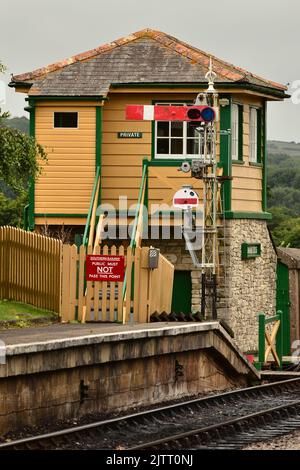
(250, 284)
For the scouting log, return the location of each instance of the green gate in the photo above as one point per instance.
(182, 292)
(283, 304)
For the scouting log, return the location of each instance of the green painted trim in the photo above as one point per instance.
(241, 131)
(264, 160)
(66, 98)
(88, 221)
(153, 140)
(135, 223)
(202, 85)
(75, 216)
(262, 321)
(225, 151)
(98, 144)
(32, 181)
(238, 162)
(261, 340)
(248, 215)
(169, 162)
(137, 210)
(229, 215)
(259, 149)
(98, 147)
(259, 165)
(25, 217)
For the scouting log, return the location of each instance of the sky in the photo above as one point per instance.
(262, 36)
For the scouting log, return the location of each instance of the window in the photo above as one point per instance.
(175, 139)
(65, 119)
(237, 132)
(253, 136)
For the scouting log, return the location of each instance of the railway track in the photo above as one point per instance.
(227, 420)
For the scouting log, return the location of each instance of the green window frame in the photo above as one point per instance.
(259, 149)
(237, 132)
(256, 136)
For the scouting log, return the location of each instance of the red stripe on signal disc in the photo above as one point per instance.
(182, 201)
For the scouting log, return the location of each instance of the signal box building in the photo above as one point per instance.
(77, 112)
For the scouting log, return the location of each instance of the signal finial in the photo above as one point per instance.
(210, 77)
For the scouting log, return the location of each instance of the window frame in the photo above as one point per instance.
(239, 131)
(65, 127)
(185, 138)
(253, 144)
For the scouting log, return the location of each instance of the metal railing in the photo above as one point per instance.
(92, 209)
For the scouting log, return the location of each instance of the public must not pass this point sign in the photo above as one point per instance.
(105, 268)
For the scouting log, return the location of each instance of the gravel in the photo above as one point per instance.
(289, 441)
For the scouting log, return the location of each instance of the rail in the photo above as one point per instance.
(91, 218)
(137, 226)
(133, 431)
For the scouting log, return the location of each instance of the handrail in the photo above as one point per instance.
(25, 217)
(138, 207)
(136, 219)
(88, 220)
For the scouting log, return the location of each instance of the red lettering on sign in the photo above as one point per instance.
(105, 268)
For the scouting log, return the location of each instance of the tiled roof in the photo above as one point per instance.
(147, 56)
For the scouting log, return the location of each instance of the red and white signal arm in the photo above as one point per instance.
(171, 113)
(185, 198)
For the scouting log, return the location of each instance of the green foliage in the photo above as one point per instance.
(18, 158)
(284, 192)
(11, 210)
(287, 233)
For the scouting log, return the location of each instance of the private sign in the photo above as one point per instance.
(105, 268)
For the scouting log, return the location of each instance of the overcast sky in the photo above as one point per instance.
(262, 36)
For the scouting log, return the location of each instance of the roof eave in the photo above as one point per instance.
(272, 92)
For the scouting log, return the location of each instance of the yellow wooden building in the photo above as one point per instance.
(77, 112)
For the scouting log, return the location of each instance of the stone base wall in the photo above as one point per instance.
(250, 284)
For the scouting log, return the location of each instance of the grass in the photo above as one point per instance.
(10, 310)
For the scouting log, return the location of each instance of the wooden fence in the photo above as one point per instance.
(30, 268)
(147, 291)
(41, 271)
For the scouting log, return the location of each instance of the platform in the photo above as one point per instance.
(277, 375)
(62, 372)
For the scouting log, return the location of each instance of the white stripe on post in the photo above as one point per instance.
(149, 112)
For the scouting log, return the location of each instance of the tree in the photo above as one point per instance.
(19, 155)
(19, 162)
(287, 233)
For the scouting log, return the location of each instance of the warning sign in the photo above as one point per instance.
(105, 268)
